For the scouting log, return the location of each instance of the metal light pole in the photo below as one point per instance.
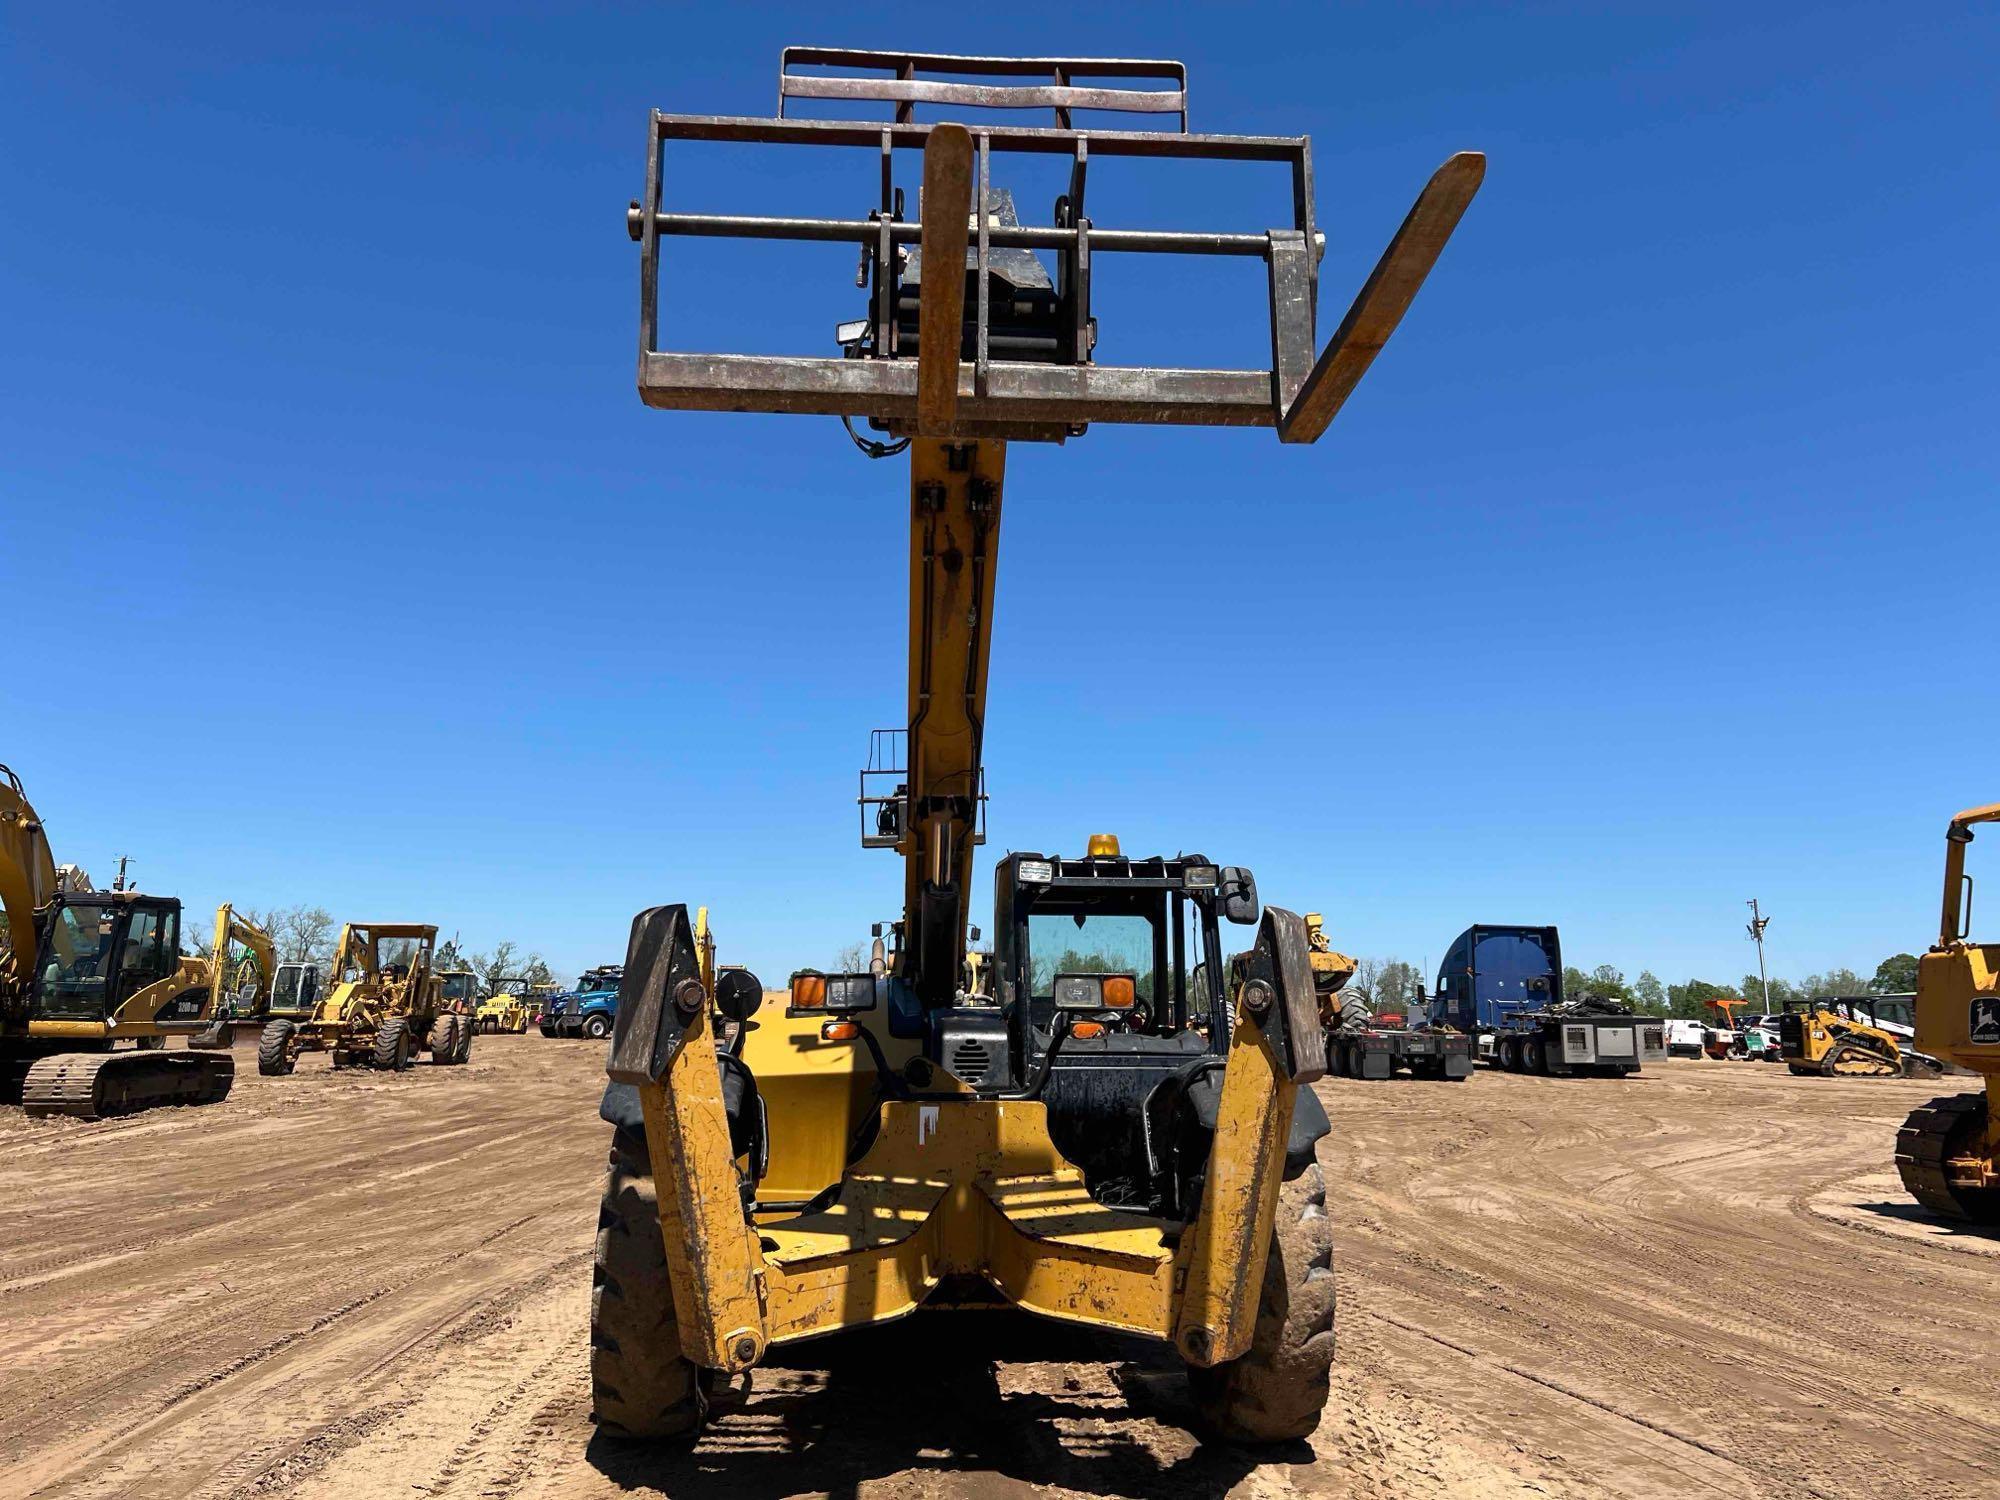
(1758, 922)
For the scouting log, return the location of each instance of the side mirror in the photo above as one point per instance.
(972, 934)
(1238, 893)
(738, 993)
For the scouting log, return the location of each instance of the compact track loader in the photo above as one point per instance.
(1111, 1126)
(1816, 1039)
(385, 1005)
(84, 972)
(1948, 1152)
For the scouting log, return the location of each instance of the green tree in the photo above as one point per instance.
(1895, 975)
(1604, 981)
(1689, 1001)
(1649, 994)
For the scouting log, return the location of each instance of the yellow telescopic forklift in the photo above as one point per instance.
(385, 1005)
(1948, 1152)
(1112, 1129)
(83, 972)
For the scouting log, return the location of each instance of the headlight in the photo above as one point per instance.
(1094, 991)
(1199, 877)
(1035, 872)
(850, 333)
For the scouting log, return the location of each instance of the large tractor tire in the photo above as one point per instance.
(1277, 1390)
(444, 1040)
(642, 1386)
(462, 1054)
(392, 1045)
(275, 1057)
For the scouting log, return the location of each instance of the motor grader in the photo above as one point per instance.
(384, 1006)
(1115, 1130)
(1948, 1152)
(84, 973)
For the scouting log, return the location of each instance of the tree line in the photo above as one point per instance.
(307, 934)
(1392, 984)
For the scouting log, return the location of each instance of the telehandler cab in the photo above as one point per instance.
(83, 971)
(1948, 1152)
(385, 1005)
(1108, 1126)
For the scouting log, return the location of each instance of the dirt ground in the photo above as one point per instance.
(1700, 1282)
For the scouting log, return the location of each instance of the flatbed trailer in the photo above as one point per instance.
(1421, 1052)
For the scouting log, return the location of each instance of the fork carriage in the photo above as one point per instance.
(1028, 370)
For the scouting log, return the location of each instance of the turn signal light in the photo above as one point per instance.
(808, 991)
(1087, 1029)
(839, 1031)
(1118, 993)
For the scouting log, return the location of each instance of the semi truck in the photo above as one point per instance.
(589, 1010)
(1504, 985)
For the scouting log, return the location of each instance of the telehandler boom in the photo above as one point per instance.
(1108, 1126)
(1948, 1152)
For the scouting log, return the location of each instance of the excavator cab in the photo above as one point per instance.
(1109, 1125)
(96, 951)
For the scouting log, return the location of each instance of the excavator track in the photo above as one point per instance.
(91, 1085)
(1952, 1126)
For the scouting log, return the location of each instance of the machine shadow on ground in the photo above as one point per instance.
(1919, 1217)
(925, 1394)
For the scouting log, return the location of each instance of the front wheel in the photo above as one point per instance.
(275, 1057)
(597, 1028)
(1276, 1391)
(641, 1385)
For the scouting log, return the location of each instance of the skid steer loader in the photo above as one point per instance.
(384, 1006)
(1948, 1152)
(93, 985)
(1112, 1127)
(1816, 1039)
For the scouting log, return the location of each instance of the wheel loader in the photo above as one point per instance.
(1948, 1152)
(384, 1006)
(84, 973)
(1113, 1127)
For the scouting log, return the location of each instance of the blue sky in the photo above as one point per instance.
(341, 563)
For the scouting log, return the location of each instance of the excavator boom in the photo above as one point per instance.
(27, 880)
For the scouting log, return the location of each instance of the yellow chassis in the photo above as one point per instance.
(955, 1185)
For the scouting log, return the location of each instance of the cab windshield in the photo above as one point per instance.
(460, 986)
(77, 962)
(1086, 943)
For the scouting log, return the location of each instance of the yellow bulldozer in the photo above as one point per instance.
(1948, 1152)
(93, 985)
(385, 1005)
(1113, 1127)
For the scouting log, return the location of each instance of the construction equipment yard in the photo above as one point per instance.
(1703, 1281)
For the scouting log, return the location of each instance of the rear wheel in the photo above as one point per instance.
(642, 1386)
(1534, 1058)
(444, 1040)
(392, 1044)
(275, 1057)
(1278, 1389)
(462, 1053)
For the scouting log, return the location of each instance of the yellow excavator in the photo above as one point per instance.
(84, 972)
(384, 1006)
(1948, 1152)
(1112, 1129)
